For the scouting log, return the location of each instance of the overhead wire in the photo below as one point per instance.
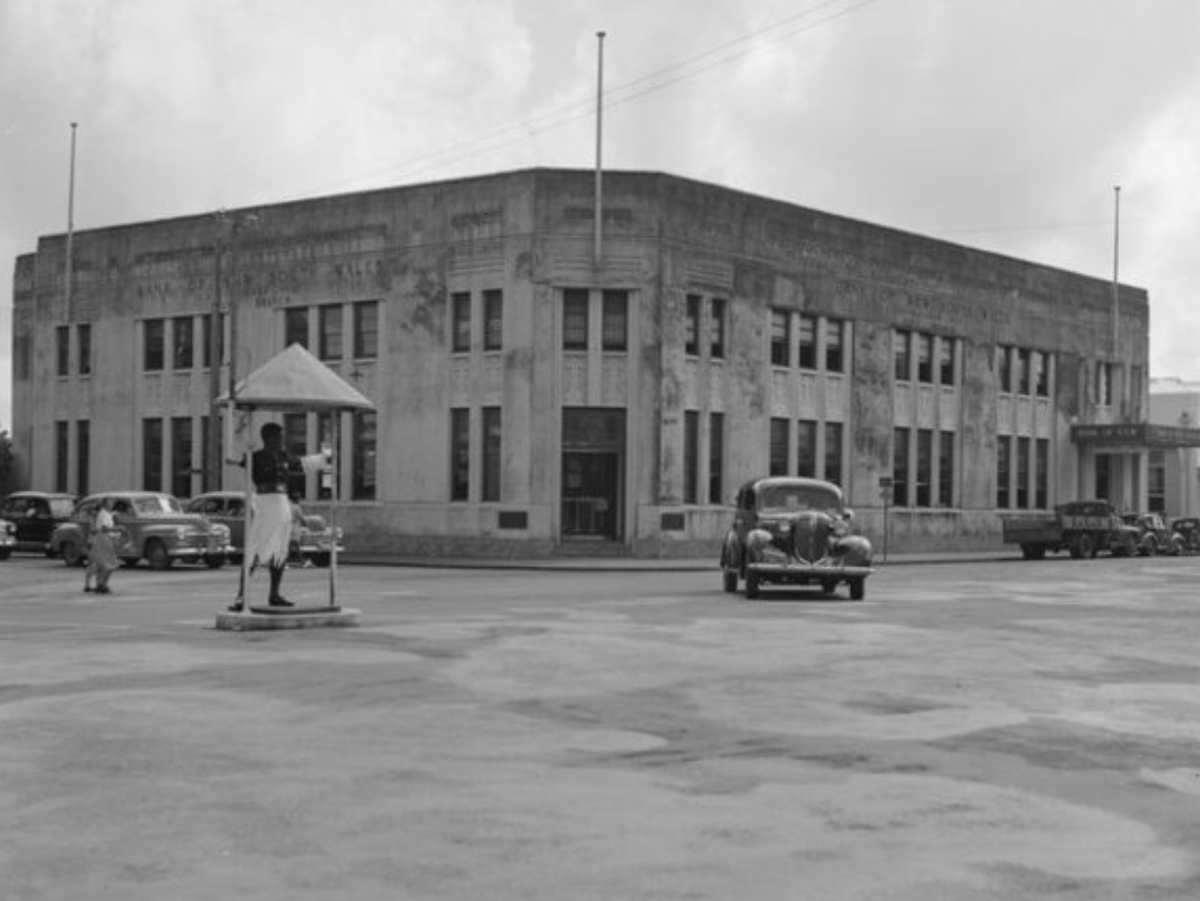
(618, 95)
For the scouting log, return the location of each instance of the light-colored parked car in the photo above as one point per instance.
(795, 531)
(8, 539)
(312, 538)
(150, 525)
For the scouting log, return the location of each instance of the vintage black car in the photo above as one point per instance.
(150, 525)
(36, 514)
(790, 530)
(1154, 536)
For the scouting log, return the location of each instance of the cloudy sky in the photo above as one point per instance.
(1000, 124)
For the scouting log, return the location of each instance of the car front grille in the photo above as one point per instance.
(810, 537)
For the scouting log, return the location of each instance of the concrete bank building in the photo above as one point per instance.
(555, 376)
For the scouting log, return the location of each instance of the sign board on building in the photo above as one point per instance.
(1141, 435)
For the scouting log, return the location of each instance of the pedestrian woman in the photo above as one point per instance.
(102, 553)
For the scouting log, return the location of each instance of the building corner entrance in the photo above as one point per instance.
(593, 474)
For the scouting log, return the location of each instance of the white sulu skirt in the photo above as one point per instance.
(270, 529)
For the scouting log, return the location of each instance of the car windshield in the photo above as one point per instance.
(61, 506)
(155, 505)
(791, 498)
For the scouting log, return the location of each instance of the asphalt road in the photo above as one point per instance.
(987, 730)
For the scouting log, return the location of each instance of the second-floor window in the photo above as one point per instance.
(493, 319)
(183, 341)
(614, 321)
(153, 350)
(366, 330)
(460, 322)
(779, 338)
(575, 319)
(330, 337)
(295, 327)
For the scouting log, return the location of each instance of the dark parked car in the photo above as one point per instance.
(1154, 536)
(36, 514)
(312, 538)
(151, 525)
(794, 531)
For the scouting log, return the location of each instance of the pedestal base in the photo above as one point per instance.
(263, 618)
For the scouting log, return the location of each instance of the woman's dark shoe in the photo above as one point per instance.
(103, 589)
(280, 601)
(236, 608)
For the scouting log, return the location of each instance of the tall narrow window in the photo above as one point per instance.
(493, 319)
(808, 341)
(946, 361)
(1023, 374)
(833, 452)
(206, 481)
(460, 322)
(152, 454)
(83, 453)
(806, 448)
(1041, 495)
(366, 330)
(62, 348)
(716, 457)
(62, 456)
(330, 327)
(153, 335)
(1003, 471)
(1156, 488)
(924, 358)
(295, 326)
(84, 333)
(900, 467)
(181, 456)
(209, 347)
(716, 329)
(691, 335)
(460, 454)
(901, 355)
(492, 445)
(362, 458)
(835, 349)
(1022, 473)
(327, 437)
(946, 474)
(182, 343)
(575, 319)
(691, 456)
(1104, 384)
(780, 350)
(295, 442)
(779, 447)
(1004, 369)
(614, 321)
(1041, 375)
(924, 468)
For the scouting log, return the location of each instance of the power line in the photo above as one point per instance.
(619, 95)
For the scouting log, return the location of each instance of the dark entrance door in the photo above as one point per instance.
(590, 482)
(593, 454)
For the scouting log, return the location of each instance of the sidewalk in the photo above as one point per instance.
(656, 564)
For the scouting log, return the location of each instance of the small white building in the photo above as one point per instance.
(1174, 472)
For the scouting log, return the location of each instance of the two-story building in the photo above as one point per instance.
(551, 376)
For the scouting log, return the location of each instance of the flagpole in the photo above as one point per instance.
(597, 250)
(70, 265)
(1116, 285)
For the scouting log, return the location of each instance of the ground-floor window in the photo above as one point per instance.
(460, 454)
(62, 455)
(362, 457)
(779, 447)
(181, 456)
(490, 462)
(83, 440)
(1156, 490)
(152, 454)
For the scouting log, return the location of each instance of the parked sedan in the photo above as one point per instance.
(312, 538)
(150, 525)
(794, 531)
(36, 514)
(8, 539)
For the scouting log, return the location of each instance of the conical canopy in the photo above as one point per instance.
(296, 380)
